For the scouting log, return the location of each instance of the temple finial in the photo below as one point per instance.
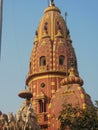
(51, 2)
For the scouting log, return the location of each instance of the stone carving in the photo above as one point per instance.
(11, 121)
(3, 122)
(24, 119)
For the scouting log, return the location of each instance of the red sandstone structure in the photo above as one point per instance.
(53, 76)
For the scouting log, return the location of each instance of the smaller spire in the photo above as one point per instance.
(66, 16)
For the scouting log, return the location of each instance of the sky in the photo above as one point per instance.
(20, 20)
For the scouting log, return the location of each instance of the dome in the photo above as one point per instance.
(72, 79)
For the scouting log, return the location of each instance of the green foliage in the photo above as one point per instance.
(79, 119)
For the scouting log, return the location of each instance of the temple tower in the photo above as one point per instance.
(51, 58)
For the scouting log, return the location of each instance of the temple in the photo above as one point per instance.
(53, 76)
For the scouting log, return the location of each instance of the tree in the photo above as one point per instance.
(79, 119)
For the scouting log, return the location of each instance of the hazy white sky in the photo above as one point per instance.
(20, 20)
